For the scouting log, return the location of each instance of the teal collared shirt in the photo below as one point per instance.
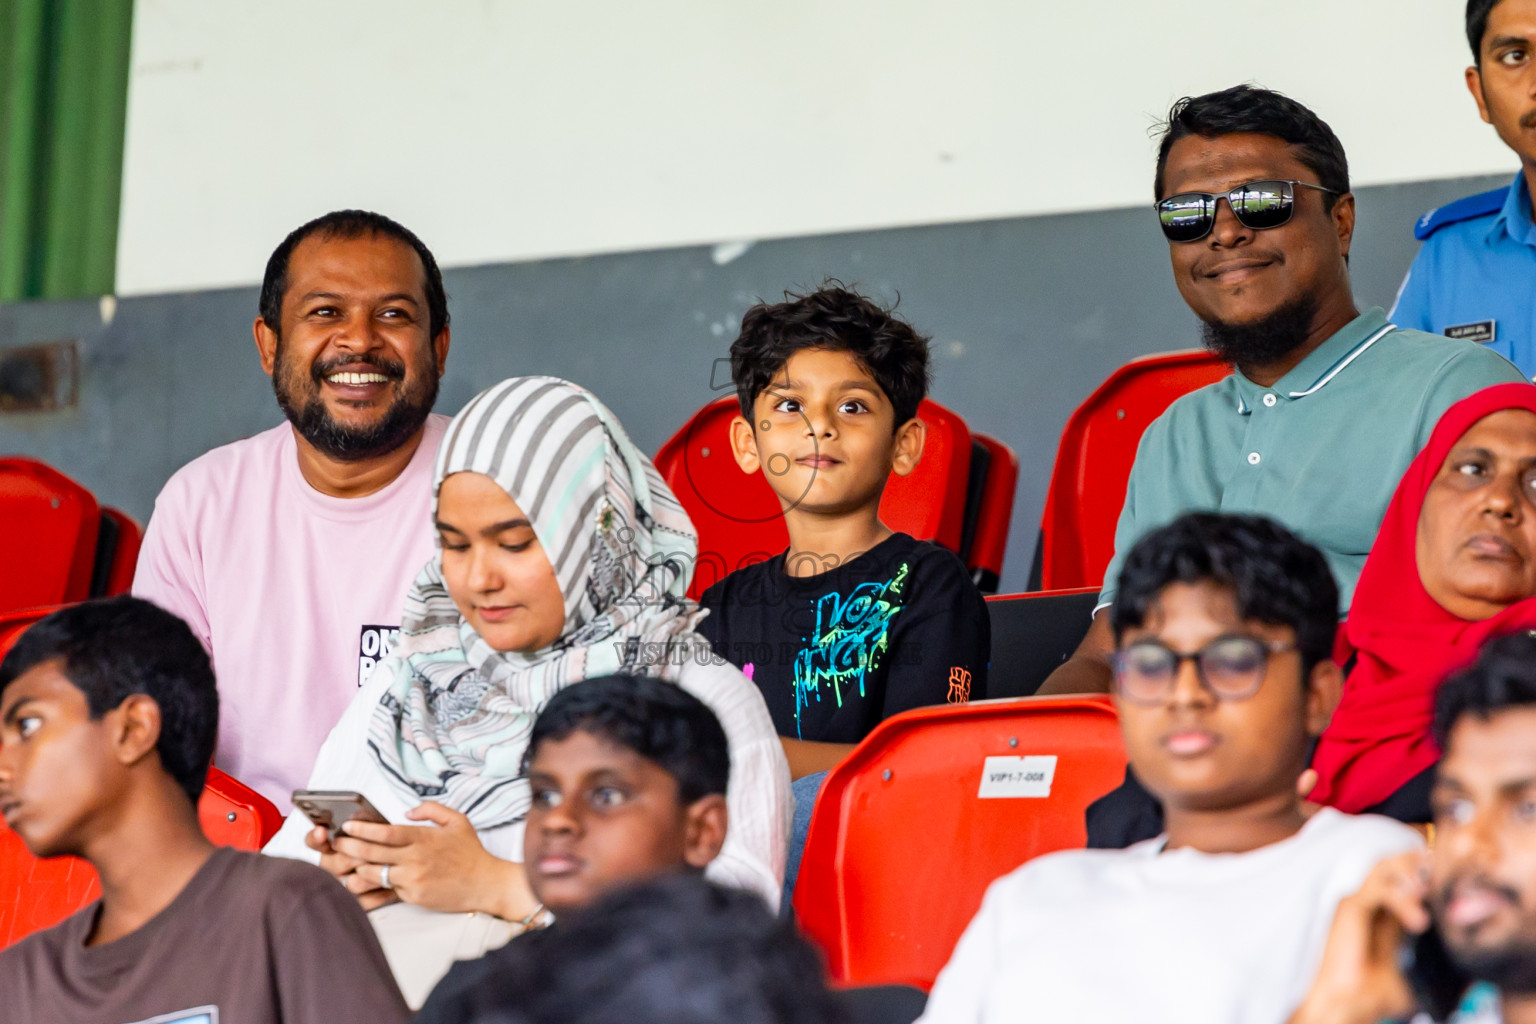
(1321, 451)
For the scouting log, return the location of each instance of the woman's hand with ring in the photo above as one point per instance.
(444, 868)
(344, 869)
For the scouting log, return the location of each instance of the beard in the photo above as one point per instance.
(298, 394)
(1511, 964)
(1512, 967)
(1264, 341)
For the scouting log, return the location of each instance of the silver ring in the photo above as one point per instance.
(384, 877)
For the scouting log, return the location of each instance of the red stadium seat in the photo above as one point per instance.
(739, 518)
(15, 623)
(903, 846)
(48, 528)
(234, 814)
(990, 542)
(37, 894)
(1093, 464)
(114, 573)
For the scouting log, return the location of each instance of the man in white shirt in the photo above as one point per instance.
(289, 553)
(1469, 903)
(1224, 629)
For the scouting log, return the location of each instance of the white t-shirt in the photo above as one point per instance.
(1143, 935)
(295, 594)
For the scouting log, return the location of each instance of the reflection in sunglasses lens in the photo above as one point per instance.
(1185, 217)
(1189, 216)
(1264, 204)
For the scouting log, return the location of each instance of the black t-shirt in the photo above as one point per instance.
(453, 999)
(899, 627)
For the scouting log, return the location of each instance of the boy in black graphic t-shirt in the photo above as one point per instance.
(897, 627)
(853, 622)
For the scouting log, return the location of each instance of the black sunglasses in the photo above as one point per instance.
(1230, 667)
(1189, 216)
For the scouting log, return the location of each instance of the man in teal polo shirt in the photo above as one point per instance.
(1329, 405)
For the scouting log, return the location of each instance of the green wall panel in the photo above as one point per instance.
(63, 102)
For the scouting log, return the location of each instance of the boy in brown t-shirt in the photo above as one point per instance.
(108, 714)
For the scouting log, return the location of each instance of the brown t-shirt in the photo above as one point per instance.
(250, 940)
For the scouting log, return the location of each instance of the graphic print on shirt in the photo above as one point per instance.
(852, 633)
(959, 685)
(374, 644)
(196, 1015)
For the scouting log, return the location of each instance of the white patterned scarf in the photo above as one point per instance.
(454, 723)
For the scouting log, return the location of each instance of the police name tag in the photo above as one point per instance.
(1483, 332)
(1006, 777)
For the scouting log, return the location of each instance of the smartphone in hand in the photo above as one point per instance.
(334, 808)
(1438, 984)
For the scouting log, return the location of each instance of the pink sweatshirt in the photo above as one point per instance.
(296, 594)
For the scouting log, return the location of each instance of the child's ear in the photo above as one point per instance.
(136, 728)
(744, 445)
(1324, 688)
(706, 822)
(910, 438)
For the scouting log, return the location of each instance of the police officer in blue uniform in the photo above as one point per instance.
(1475, 274)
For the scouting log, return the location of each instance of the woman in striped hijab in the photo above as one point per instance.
(563, 556)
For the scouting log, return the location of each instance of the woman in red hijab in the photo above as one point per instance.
(1453, 564)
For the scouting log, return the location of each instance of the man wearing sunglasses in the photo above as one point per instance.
(1224, 628)
(1474, 274)
(1327, 405)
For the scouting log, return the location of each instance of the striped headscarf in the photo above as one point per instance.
(454, 723)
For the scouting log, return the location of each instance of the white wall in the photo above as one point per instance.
(504, 130)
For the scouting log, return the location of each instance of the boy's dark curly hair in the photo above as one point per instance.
(832, 317)
(661, 722)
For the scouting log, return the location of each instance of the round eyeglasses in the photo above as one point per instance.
(1229, 667)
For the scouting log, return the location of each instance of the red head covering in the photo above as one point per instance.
(1406, 643)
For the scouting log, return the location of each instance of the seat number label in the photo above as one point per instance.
(1007, 777)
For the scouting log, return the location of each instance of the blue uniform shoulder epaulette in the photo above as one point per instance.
(1480, 205)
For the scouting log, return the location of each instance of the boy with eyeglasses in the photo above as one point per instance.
(1224, 627)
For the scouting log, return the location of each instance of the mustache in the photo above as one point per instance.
(394, 369)
(1444, 894)
(1203, 266)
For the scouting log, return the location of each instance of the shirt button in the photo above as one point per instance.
(1269, 400)
(1253, 458)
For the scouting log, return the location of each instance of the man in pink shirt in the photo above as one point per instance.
(289, 553)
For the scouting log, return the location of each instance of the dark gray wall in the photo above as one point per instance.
(1028, 316)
